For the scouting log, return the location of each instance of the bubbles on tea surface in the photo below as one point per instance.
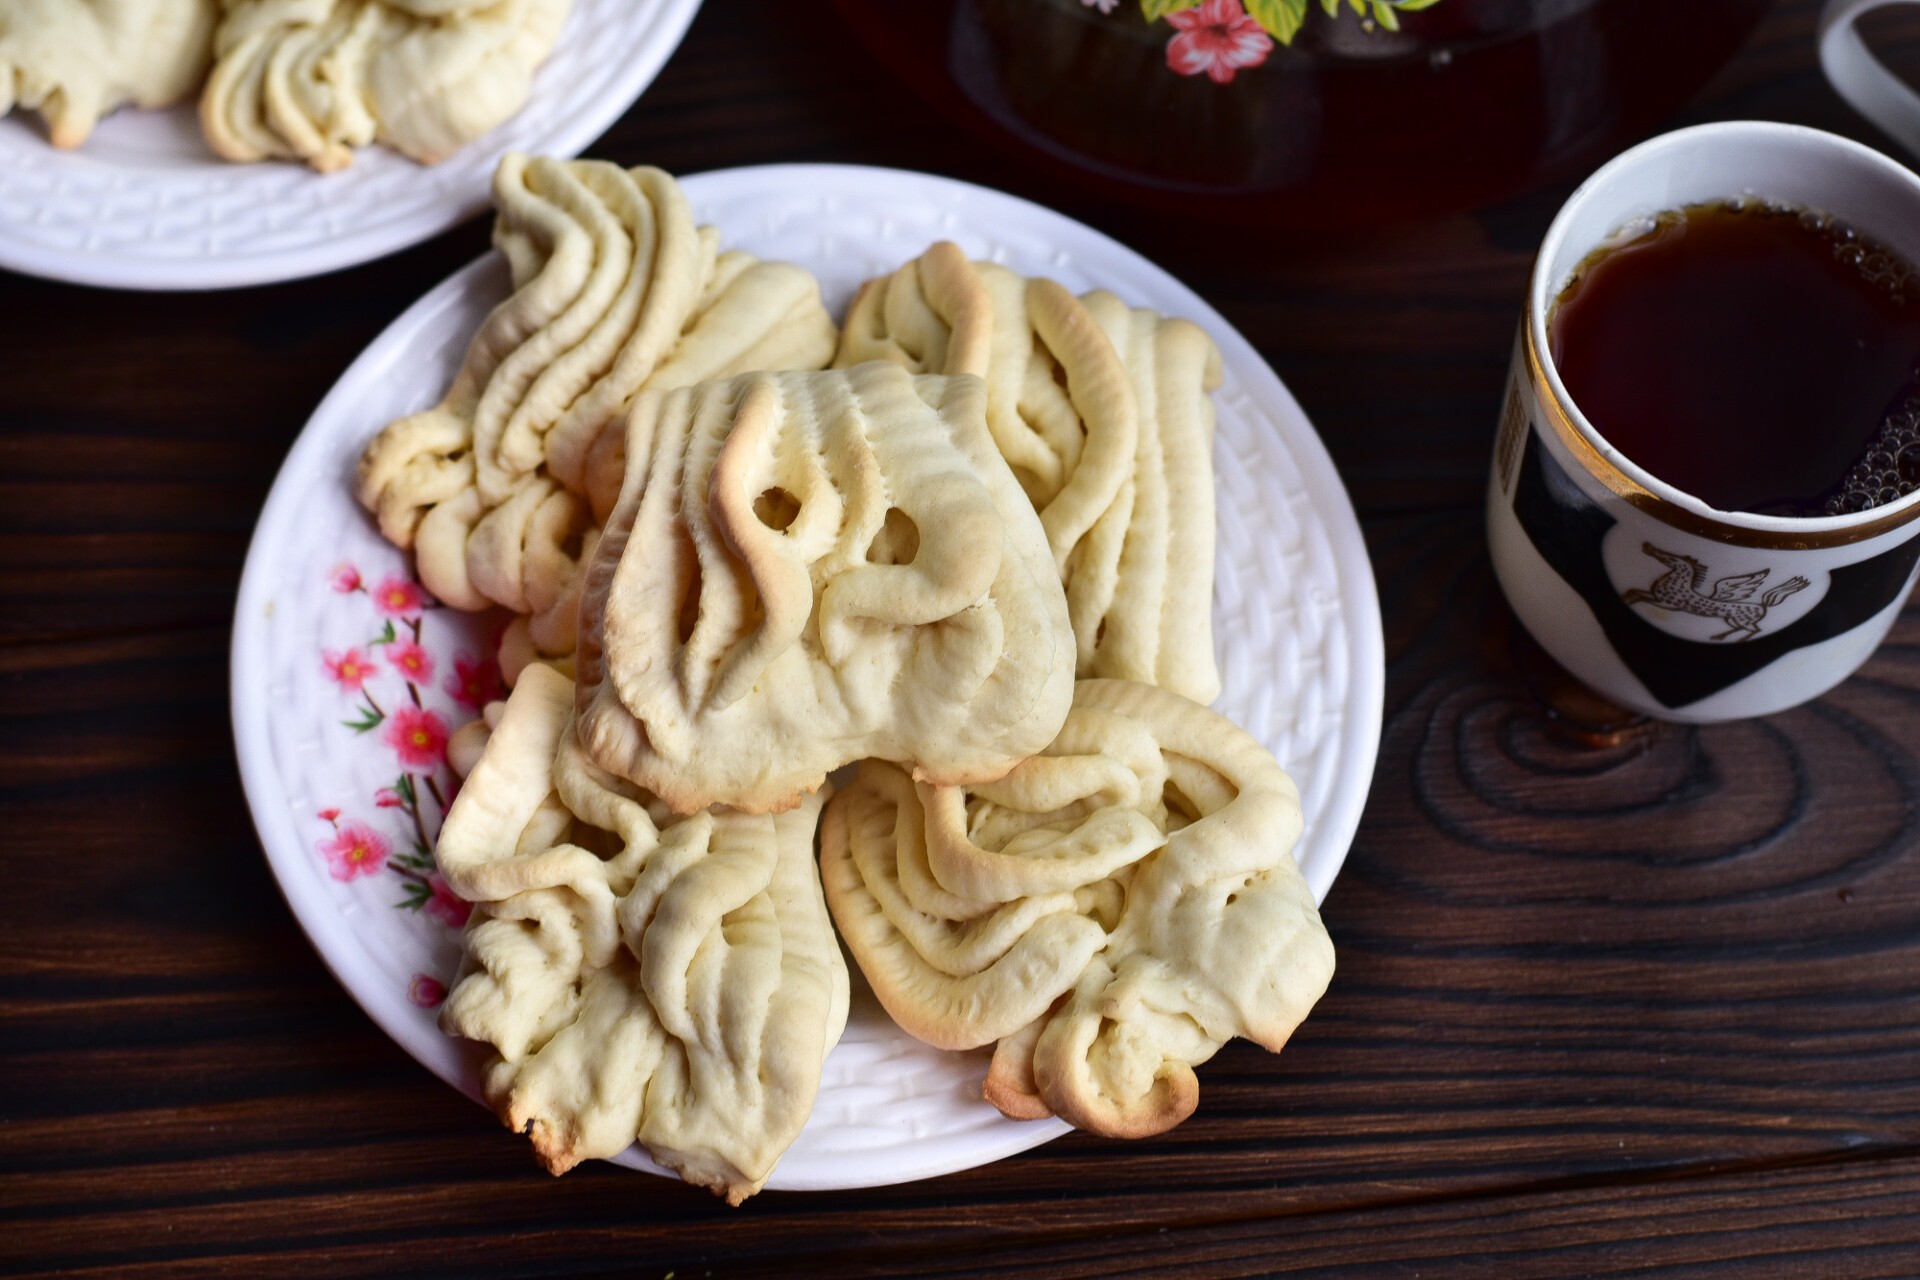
(1875, 262)
(1889, 470)
(1909, 465)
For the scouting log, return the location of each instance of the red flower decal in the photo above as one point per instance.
(411, 661)
(349, 670)
(1217, 38)
(355, 849)
(445, 907)
(396, 597)
(388, 798)
(329, 815)
(475, 681)
(426, 992)
(417, 736)
(344, 578)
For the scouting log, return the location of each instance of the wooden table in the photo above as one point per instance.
(1644, 1007)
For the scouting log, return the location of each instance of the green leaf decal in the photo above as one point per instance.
(418, 895)
(418, 860)
(369, 719)
(1280, 19)
(386, 636)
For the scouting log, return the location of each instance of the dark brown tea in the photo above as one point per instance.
(1760, 358)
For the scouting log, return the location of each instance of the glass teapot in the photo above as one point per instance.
(1307, 112)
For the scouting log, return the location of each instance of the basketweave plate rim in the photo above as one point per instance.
(845, 223)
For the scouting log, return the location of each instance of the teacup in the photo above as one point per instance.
(1649, 596)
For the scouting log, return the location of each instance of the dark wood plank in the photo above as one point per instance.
(1651, 1006)
(1820, 1219)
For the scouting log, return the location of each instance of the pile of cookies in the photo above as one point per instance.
(956, 556)
(307, 80)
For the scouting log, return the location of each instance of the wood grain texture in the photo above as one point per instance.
(1648, 1008)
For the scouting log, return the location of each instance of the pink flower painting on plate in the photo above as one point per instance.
(474, 682)
(354, 850)
(349, 669)
(398, 597)
(417, 736)
(444, 906)
(411, 661)
(426, 991)
(390, 679)
(1216, 39)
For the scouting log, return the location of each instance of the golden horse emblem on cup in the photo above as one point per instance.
(1683, 588)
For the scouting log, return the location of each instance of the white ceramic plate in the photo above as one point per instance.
(145, 205)
(1297, 626)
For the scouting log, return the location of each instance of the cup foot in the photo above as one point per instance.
(1575, 711)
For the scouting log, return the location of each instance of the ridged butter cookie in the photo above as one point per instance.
(675, 982)
(807, 569)
(1103, 412)
(1108, 914)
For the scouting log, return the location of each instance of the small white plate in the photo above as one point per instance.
(146, 205)
(1297, 628)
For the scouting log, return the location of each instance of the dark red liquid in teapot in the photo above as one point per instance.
(1350, 125)
(1761, 359)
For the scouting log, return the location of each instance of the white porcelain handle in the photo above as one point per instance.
(1862, 79)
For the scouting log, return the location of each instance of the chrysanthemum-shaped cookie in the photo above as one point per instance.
(807, 569)
(677, 984)
(77, 60)
(1103, 413)
(614, 289)
(313, 79)
(1111, 912)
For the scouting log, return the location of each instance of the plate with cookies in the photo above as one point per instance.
(809, 677)
(208, 144)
